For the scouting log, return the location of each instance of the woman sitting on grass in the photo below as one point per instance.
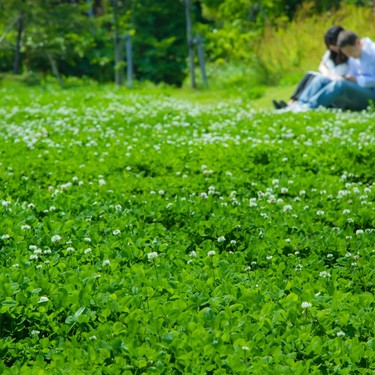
(333, 64)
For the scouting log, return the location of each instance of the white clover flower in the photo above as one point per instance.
(116, 232)
(106, 262)
(287, 208)
(359, 231)
(43, 299)
(16, 265)
(75, 178)
(193, 254)
(324, 274)
(211, 253)
(39, 266)
(6, 203)
(31, 206)
(152, 256)
(56, 238)
(38, 251)
(320, 212)
(233, 194)
(203, 195)
(88, 250)
(161, 192)
(252, 202)
(340, 334)
(248, 268)
(298, 267)
(5, 236)
(245, 348)
(87, 239)
(302, 192)
(33, 247)
(284, 190)
(52, 208)
(93, 338)
(102, 182)
(329, 255)
(275, 182)
(269, 257)
(34, 332)
(118, 207)
(348, 254)
(306, 305)
(33, 256)
(70, 249)
(233, 242)
(221, 239)
(25, 227)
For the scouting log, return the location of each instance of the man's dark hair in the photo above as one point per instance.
(346, 38)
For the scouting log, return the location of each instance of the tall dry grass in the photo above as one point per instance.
(299, 45)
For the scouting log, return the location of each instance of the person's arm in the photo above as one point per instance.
(363, 80)
(323, 69)
(326, 67)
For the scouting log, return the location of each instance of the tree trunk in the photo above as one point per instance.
(18, 56)
(189, 35)
(119, 75)
(7, 30)
(55, 69)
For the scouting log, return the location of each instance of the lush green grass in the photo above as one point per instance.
(145, 234)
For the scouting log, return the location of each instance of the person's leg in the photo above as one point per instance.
(307, 78)
(342, 94)
(315, 85)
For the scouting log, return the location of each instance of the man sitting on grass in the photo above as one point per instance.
(356, 90)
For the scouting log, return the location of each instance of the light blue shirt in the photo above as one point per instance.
(363, 68)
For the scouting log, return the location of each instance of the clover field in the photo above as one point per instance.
(140, 234)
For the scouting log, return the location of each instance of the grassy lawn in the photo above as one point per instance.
(177, 232)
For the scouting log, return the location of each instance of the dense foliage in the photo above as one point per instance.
(140, 234)
(77, 37)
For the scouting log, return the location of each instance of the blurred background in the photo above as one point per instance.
(238, 45)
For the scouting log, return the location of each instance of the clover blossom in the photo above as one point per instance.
(306, 305)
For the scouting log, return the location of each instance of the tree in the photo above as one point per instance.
(159, 41)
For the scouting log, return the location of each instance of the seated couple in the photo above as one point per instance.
(346, 77)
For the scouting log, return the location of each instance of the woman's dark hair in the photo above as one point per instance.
(330, 39)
